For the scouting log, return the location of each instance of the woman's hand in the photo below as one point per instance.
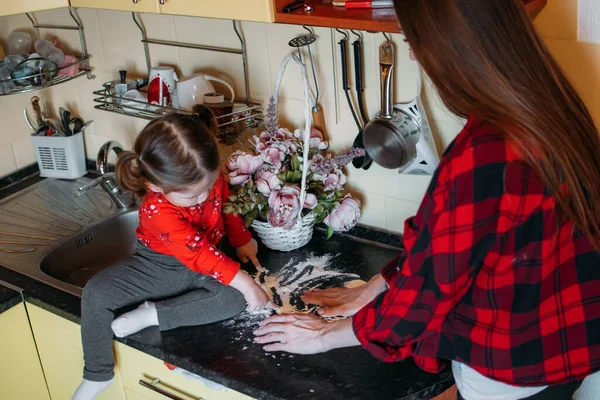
(345, 302)
(304, 334)
(248, 253)
(255, 296)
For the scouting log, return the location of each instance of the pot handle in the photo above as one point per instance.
(221, 81)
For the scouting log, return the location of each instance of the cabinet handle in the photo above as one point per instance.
(152, 386)
(162, 1)
(135, 1)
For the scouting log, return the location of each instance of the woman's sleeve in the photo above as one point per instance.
(186, 243)
(445, 243)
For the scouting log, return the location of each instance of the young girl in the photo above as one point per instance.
(175, 166)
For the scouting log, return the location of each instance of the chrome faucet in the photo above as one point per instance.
(107, 179)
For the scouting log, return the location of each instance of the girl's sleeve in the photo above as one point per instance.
(186, 243)
(236, 231)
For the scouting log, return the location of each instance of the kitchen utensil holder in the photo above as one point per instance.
(60, 157)
(277, 238)
(45, 78)
(250, 117)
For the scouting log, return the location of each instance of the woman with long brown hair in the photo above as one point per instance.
(500, 275)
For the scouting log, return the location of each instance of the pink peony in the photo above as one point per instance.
(335, 180)
(310, 201)
(274, 155)
(266, 182)
(284, 207)
(345, 216)
(316, 139)
(241, 166)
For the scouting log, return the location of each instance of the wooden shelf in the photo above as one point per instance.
(378, 20)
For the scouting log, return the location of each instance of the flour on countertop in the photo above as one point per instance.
(285, 289)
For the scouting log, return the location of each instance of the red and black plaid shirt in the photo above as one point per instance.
(487, 277)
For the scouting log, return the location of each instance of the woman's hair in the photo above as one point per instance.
(171, 152)
(486, 60)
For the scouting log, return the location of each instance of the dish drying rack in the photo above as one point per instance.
(233, 123)
(46, 79)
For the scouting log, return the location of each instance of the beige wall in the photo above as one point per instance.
(113, 42)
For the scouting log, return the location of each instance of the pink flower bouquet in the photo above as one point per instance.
(266, 180)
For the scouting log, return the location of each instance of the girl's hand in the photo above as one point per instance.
(304, 334)
(248, 253)
(345, 302)
(255, 296)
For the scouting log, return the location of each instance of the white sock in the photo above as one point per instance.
(88, 390)
(136, 320)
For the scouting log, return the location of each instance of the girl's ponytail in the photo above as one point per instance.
(129, 174)
(206, 116)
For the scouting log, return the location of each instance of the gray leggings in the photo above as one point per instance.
(185, 298)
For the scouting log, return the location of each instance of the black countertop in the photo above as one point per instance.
(8, 298)
(225, 353)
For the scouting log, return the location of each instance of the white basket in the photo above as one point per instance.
(60, 157)
(282, 239)
(277, 238)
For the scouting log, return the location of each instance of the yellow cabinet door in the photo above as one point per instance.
(244, 10)
(158, 382)
(147, 6)
(9, 7)
(59, 346)
(21, 376)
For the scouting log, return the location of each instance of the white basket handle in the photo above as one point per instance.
(309, 103)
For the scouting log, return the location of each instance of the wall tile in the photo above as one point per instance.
(581, 63)
(24, 152)
(121, 45)
(7, 159)
(558, 20)
(373, 210)
(397, 211)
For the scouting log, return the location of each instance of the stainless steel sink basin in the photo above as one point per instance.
(49, 234)
(78, 259)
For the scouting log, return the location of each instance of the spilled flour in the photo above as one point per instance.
(286, 287)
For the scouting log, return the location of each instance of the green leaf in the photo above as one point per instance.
(282, 176)
(329, 232)
(232, 198)
(297, 176)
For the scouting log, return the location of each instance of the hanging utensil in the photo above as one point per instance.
(306, 41)
(358, 143)
(388, 137)
(365, 161)
(358, 75)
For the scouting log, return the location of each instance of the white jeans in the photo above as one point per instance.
(474, 386)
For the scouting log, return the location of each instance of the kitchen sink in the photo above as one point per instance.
(94, 249)
(55, 236)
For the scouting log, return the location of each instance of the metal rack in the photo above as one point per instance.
(50, 78)
(249, 117)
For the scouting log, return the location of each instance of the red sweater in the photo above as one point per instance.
(191, 234)
(488, 277)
